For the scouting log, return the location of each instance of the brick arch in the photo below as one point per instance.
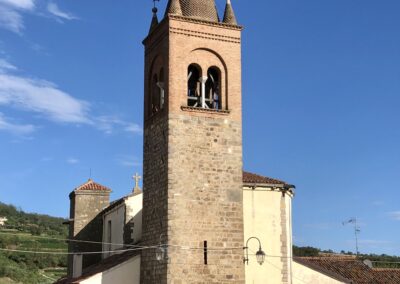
(156, 66)
(207, 58)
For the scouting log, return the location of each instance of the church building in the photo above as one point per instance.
(200, 217)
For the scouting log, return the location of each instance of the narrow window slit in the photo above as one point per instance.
(205, 253)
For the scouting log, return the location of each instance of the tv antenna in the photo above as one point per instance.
(357, 230)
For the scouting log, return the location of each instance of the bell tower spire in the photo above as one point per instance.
(173, 8)
(205, 10)
(229, 15)
(154, 20)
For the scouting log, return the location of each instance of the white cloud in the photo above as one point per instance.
(321, 226)
(19, 129)
(2, 52)
(56, 11)
(19, 4)
(72, 161)
(11, 20)
(395, 215)
(128, 161)
(6, 66)
(11, 14)
(134, 128)
(42, 97)
(373, 242)
(50, 102)
(109, 124)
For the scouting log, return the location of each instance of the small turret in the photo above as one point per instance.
(173, 8)
(154, 20)
(229, 15)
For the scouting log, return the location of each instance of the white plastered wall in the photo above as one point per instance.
(116, 217)
(128, 211)
(126, 272)
(134, 206)
(305, 275)
(263, 219)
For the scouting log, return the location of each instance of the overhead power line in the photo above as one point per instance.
(72, 253)
(139, 247)
(71, 240)
(151, 247)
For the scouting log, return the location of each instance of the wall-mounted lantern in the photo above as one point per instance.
(260, 254)
(161, 250)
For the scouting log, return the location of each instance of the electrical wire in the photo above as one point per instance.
(147, 247)
(274, 266)
(278, 268)
(72, 253)
(71, 240)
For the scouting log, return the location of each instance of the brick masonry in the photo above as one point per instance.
(193, 159)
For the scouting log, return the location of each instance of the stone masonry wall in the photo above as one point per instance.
(87, 224)
(155, 164)
(205, 200)
(205, 158)
(155, 199)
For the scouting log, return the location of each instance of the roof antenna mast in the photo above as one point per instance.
(356, 231)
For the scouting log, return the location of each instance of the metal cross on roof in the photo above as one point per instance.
(155, 2)
(136, 178)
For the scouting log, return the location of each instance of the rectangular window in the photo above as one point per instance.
(109, 235)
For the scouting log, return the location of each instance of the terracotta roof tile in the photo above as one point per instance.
(254, 178)
(173, 7)
(91, 185)
(352, 269)
(199, 9)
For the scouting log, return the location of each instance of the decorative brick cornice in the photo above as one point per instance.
(211, 36)
(208, 23)
(205, 110)
(195, 33)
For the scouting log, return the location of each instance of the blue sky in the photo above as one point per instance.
(321, 94)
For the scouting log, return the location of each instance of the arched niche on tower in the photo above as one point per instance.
(156, 94)
(212, 83)
(194, 74)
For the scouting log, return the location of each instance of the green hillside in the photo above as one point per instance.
(32, 232)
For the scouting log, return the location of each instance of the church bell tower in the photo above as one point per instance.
(192, 197)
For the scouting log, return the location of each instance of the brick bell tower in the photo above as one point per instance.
(192, 197)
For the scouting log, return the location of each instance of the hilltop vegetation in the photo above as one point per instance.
(379, 261)
(33, 223)
(31, 232)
